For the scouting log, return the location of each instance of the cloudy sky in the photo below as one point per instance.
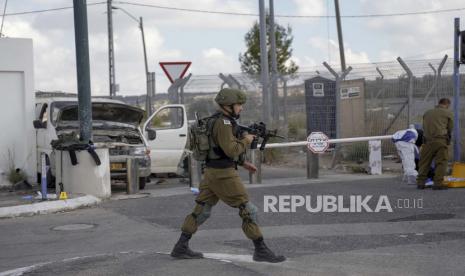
(213, 41)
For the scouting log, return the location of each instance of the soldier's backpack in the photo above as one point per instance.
(199, 137)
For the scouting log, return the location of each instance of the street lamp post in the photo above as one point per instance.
(111, 51)
(140, 21)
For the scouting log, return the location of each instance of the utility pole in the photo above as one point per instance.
(264, 74)
(3, 18)
(148, 100)
(274, 66)
(149, 80)
(83, 70)
(457, 60)
(339, 36)
(111, 53)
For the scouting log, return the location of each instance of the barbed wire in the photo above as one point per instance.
(390, 70)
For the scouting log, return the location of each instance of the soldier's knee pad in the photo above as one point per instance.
(248, 212)
(203, 214)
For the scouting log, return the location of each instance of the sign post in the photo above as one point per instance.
(175, 72)
(317, 142)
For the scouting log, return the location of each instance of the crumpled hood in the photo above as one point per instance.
(106, 112)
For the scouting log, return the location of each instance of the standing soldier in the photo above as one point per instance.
(222, 182)
(437, 125)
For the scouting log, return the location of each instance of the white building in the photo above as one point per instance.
(17, 100)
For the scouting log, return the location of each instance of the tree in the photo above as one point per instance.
(250, 60)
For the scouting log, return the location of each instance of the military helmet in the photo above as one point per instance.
(230, 96)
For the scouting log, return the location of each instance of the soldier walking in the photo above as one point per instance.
(222, 182)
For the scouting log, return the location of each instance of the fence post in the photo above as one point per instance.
(258, 159)
(230, 81)
(410, 90)
(437, 76)
(174, 95)
(375, 161)
(441, 65)
(456, 106)
(284, 79)
(381, 93)
(338, 78)
(381, 90)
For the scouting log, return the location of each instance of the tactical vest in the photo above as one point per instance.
(203, 145)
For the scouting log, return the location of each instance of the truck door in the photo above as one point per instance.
(170, 124)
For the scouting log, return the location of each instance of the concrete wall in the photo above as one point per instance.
(17, 110)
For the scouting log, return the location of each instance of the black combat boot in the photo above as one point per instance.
(181, 249)
(264, 254)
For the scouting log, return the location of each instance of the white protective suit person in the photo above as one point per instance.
(405, 144)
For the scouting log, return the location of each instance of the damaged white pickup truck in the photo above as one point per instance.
(114, 122)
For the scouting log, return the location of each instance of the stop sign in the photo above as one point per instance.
(317, 142)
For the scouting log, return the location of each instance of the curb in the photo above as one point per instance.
(48, 207)
(337, 178)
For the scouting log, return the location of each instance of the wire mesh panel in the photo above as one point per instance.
(321, 106)
(387, 87)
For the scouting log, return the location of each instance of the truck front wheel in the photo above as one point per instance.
(142, 181)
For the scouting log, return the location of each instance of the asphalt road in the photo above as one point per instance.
(134, 236)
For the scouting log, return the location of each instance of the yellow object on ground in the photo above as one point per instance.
(457, 179)
(63, 195)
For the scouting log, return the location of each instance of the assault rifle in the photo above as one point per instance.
(259, 130)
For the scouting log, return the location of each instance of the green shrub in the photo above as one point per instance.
(272, 155)
(356, 152)
(297, 127)
(16, 175)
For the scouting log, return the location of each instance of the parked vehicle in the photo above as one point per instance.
(113, 122)
(116, 122)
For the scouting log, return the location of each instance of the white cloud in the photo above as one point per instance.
(310, 7)
(205, 20)
(303, 63)
(387, 55)
(213, 53)
(54, 64)
(215, 60)
(413, 35)
(351, 56)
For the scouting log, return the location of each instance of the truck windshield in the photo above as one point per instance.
(101, 111)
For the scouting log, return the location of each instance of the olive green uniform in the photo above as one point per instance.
(437, 124)
(222, 182)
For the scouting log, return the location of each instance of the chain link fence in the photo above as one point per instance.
(386, 105)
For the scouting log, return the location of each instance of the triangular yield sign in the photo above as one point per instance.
(175, 70)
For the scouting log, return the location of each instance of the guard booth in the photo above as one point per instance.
(320, 102)
(320, 105)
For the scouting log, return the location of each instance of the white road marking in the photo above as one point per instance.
(229, 257)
